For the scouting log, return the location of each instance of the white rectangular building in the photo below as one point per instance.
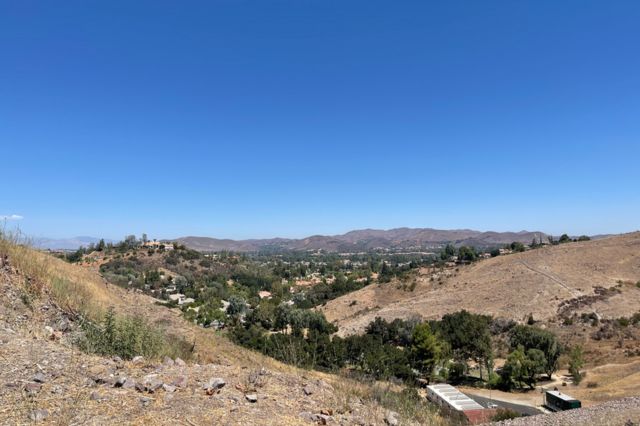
(448, 397)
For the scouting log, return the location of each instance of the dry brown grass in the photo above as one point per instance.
(612, 381)
(511, 286)
(74, 289)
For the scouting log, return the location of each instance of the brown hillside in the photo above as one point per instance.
(366, 239)
(536, 282)
(44, 377)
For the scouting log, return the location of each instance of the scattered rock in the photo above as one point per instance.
(39, 378)
(129, 384)
(137, 359)
(32, 388)
(180, 362)
(214, 385)
(168, 388)
(321, 419)
(145, 401)
(95, 396)
(308, 390)
(38, 415)
(180, 381)
(391, 418)
(154, 385)
(168, 361)
(48, 331)
(63, 325)
(307, 416)
(120, 382)
(251, 397)
(116, 359)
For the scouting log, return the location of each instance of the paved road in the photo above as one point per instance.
(525, 410)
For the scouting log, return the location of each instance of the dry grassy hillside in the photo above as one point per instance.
(536, 282)
(44, 377)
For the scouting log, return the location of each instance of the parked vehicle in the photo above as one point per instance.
(557, 401)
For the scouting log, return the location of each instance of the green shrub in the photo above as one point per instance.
(623, 322)
(407, 403)
(504, 414)
(128, 337)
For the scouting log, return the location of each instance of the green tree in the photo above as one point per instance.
(448, 251)
(564, 238)
(426, 350)
(536, 338)
(522, 367)
(576, 362)
(467, 253)
(468, 337)
(517, 246)
(237, 306)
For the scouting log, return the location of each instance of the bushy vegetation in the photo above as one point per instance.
(576, 362)
(504, 414)
(128, 337)
(402, 349)
(534, 352)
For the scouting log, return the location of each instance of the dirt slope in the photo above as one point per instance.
(513, 286)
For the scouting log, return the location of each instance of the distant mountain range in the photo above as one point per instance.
(367, 239)
(65, 243)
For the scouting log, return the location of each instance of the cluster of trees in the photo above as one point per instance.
(518, 247)
(323, 292)
(534, 352)
(129, 242)
(564, 238)
(464, 253)
(77, 255)
(406, 350)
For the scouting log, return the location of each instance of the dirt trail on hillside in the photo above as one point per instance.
(512, 286)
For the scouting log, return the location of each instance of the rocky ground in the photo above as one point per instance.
(44, 380)
(619, 412)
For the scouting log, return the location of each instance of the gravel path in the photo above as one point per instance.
(619, 412)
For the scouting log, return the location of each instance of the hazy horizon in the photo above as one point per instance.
(301, 236)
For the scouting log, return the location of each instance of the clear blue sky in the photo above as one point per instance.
(288, 118)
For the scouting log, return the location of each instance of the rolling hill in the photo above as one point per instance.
(592, 276)
(366, 239)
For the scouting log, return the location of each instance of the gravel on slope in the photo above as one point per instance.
(619, 412)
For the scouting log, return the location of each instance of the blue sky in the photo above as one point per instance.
(289, 118)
